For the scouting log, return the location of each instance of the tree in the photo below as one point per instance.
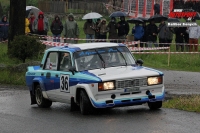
(16, 20)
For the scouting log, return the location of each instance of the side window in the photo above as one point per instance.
(51, 61)
(65, 61)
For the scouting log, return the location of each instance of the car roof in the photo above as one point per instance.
(84, 46)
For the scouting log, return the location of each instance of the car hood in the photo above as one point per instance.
(124, 72)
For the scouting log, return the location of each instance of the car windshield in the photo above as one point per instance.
(103, 58)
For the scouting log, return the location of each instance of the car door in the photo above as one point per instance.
(65, 80)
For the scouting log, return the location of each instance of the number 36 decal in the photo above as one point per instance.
(64, 83)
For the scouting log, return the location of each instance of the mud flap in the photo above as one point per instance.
(33, 100)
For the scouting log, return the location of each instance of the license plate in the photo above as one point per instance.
(135, 89)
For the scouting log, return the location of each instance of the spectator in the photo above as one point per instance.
(97, 29)
(156, 8)
(103, 29)
(144, 38)
(194, 33)
(186, 39)
(123, 28)
(40, 25)
(89, 30)
(162, 34)
(4, 25)
(138, 32)
(152, 31)
(179, 38)
(169, 37)
(31, 20)
(112, 29)
(27, 30)
(56, 28)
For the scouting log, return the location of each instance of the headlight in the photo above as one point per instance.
(154, 80)
(106, 86)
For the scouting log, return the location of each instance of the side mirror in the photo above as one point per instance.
(139, 62)
(72, 69)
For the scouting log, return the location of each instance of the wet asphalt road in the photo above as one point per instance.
(18, 116)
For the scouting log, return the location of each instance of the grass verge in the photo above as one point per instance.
(187, 103)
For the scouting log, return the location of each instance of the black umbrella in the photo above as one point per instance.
(158, 18)
(173, 20)
(118, 14)
(143, 19)
(135, 20)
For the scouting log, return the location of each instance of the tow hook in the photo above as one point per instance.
(150, 96)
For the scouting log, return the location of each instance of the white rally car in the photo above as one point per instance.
(94, 75)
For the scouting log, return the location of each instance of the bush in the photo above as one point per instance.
(23, 47)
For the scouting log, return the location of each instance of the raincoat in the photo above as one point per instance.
(112, 29)
(71, 29)
(27, 23)
(56, 26)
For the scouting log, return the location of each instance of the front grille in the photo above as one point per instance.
(131, 83)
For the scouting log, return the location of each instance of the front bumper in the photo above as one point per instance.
(127, 101)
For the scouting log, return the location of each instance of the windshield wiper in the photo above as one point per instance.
(104, 65)
(122, 55)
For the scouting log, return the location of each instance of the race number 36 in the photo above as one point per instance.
(64, 83)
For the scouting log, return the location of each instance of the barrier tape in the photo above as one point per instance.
(57, 44)
(165, 52)
(146, 48)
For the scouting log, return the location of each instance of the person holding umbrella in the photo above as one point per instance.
(31, 20)
(162, 34)
(123, 28)
(97, 29)
(112, 29)
(138, 32)
(89, 30)
(152, 31)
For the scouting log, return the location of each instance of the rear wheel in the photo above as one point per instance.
(155, 105)
(40, 100)
(85, 104)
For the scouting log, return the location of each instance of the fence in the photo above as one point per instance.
(86, 6)
(53, 6)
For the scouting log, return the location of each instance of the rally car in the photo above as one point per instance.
(94, 75)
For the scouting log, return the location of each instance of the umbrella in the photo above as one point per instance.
(143, 19)
(32, 9)
(173, 20)
(135, 20)
(158, 18)
(92, 15)
(118, 14)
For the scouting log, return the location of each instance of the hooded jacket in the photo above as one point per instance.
(138, 32)
(112, 29)
(56, 26)
(89, 28)
(162, 31)
(27, 30)
(35, 23)
(123, 28)
(71, 29)
(103, 27)
(4, 25)
(152, 28)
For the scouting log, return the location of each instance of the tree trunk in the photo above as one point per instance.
(17, 20)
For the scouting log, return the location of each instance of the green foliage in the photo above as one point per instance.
(32, 3)
(24, 47)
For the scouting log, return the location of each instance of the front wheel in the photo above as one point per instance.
(85, 104)
(155, 105)
(40, 100)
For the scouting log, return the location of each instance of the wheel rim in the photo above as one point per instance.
(38, 96)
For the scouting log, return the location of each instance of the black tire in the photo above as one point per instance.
(155, 105)
(85, 104)
(74, 106)
(40, 100)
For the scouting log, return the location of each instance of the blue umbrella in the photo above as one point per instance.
(118, 14)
